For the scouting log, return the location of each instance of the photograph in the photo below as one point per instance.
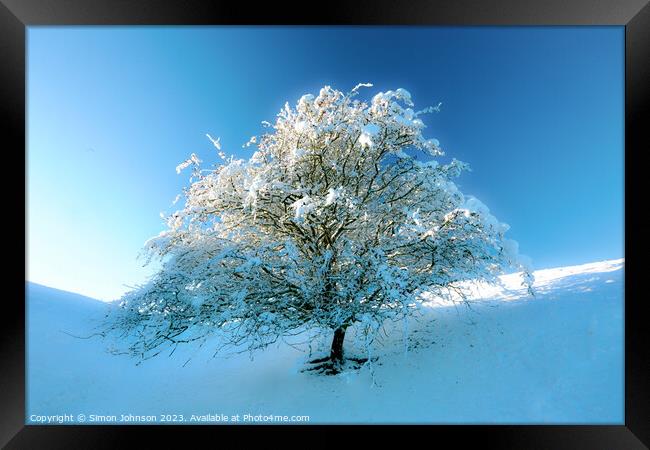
(306, 225)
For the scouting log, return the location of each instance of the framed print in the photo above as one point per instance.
(380, 215)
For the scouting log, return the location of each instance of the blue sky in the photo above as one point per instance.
(537, 112)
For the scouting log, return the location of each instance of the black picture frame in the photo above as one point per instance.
(16, 15)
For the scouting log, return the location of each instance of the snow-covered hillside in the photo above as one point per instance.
(509, 358)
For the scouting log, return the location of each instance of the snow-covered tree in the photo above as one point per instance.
(341, 216)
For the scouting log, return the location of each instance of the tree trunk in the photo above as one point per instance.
(336, 354)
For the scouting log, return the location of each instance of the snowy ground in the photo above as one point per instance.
(556, 358)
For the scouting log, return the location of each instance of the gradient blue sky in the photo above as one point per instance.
(538, 113)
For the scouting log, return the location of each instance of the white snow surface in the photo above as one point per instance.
(508, 358)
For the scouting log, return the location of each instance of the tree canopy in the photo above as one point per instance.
(342, 215)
